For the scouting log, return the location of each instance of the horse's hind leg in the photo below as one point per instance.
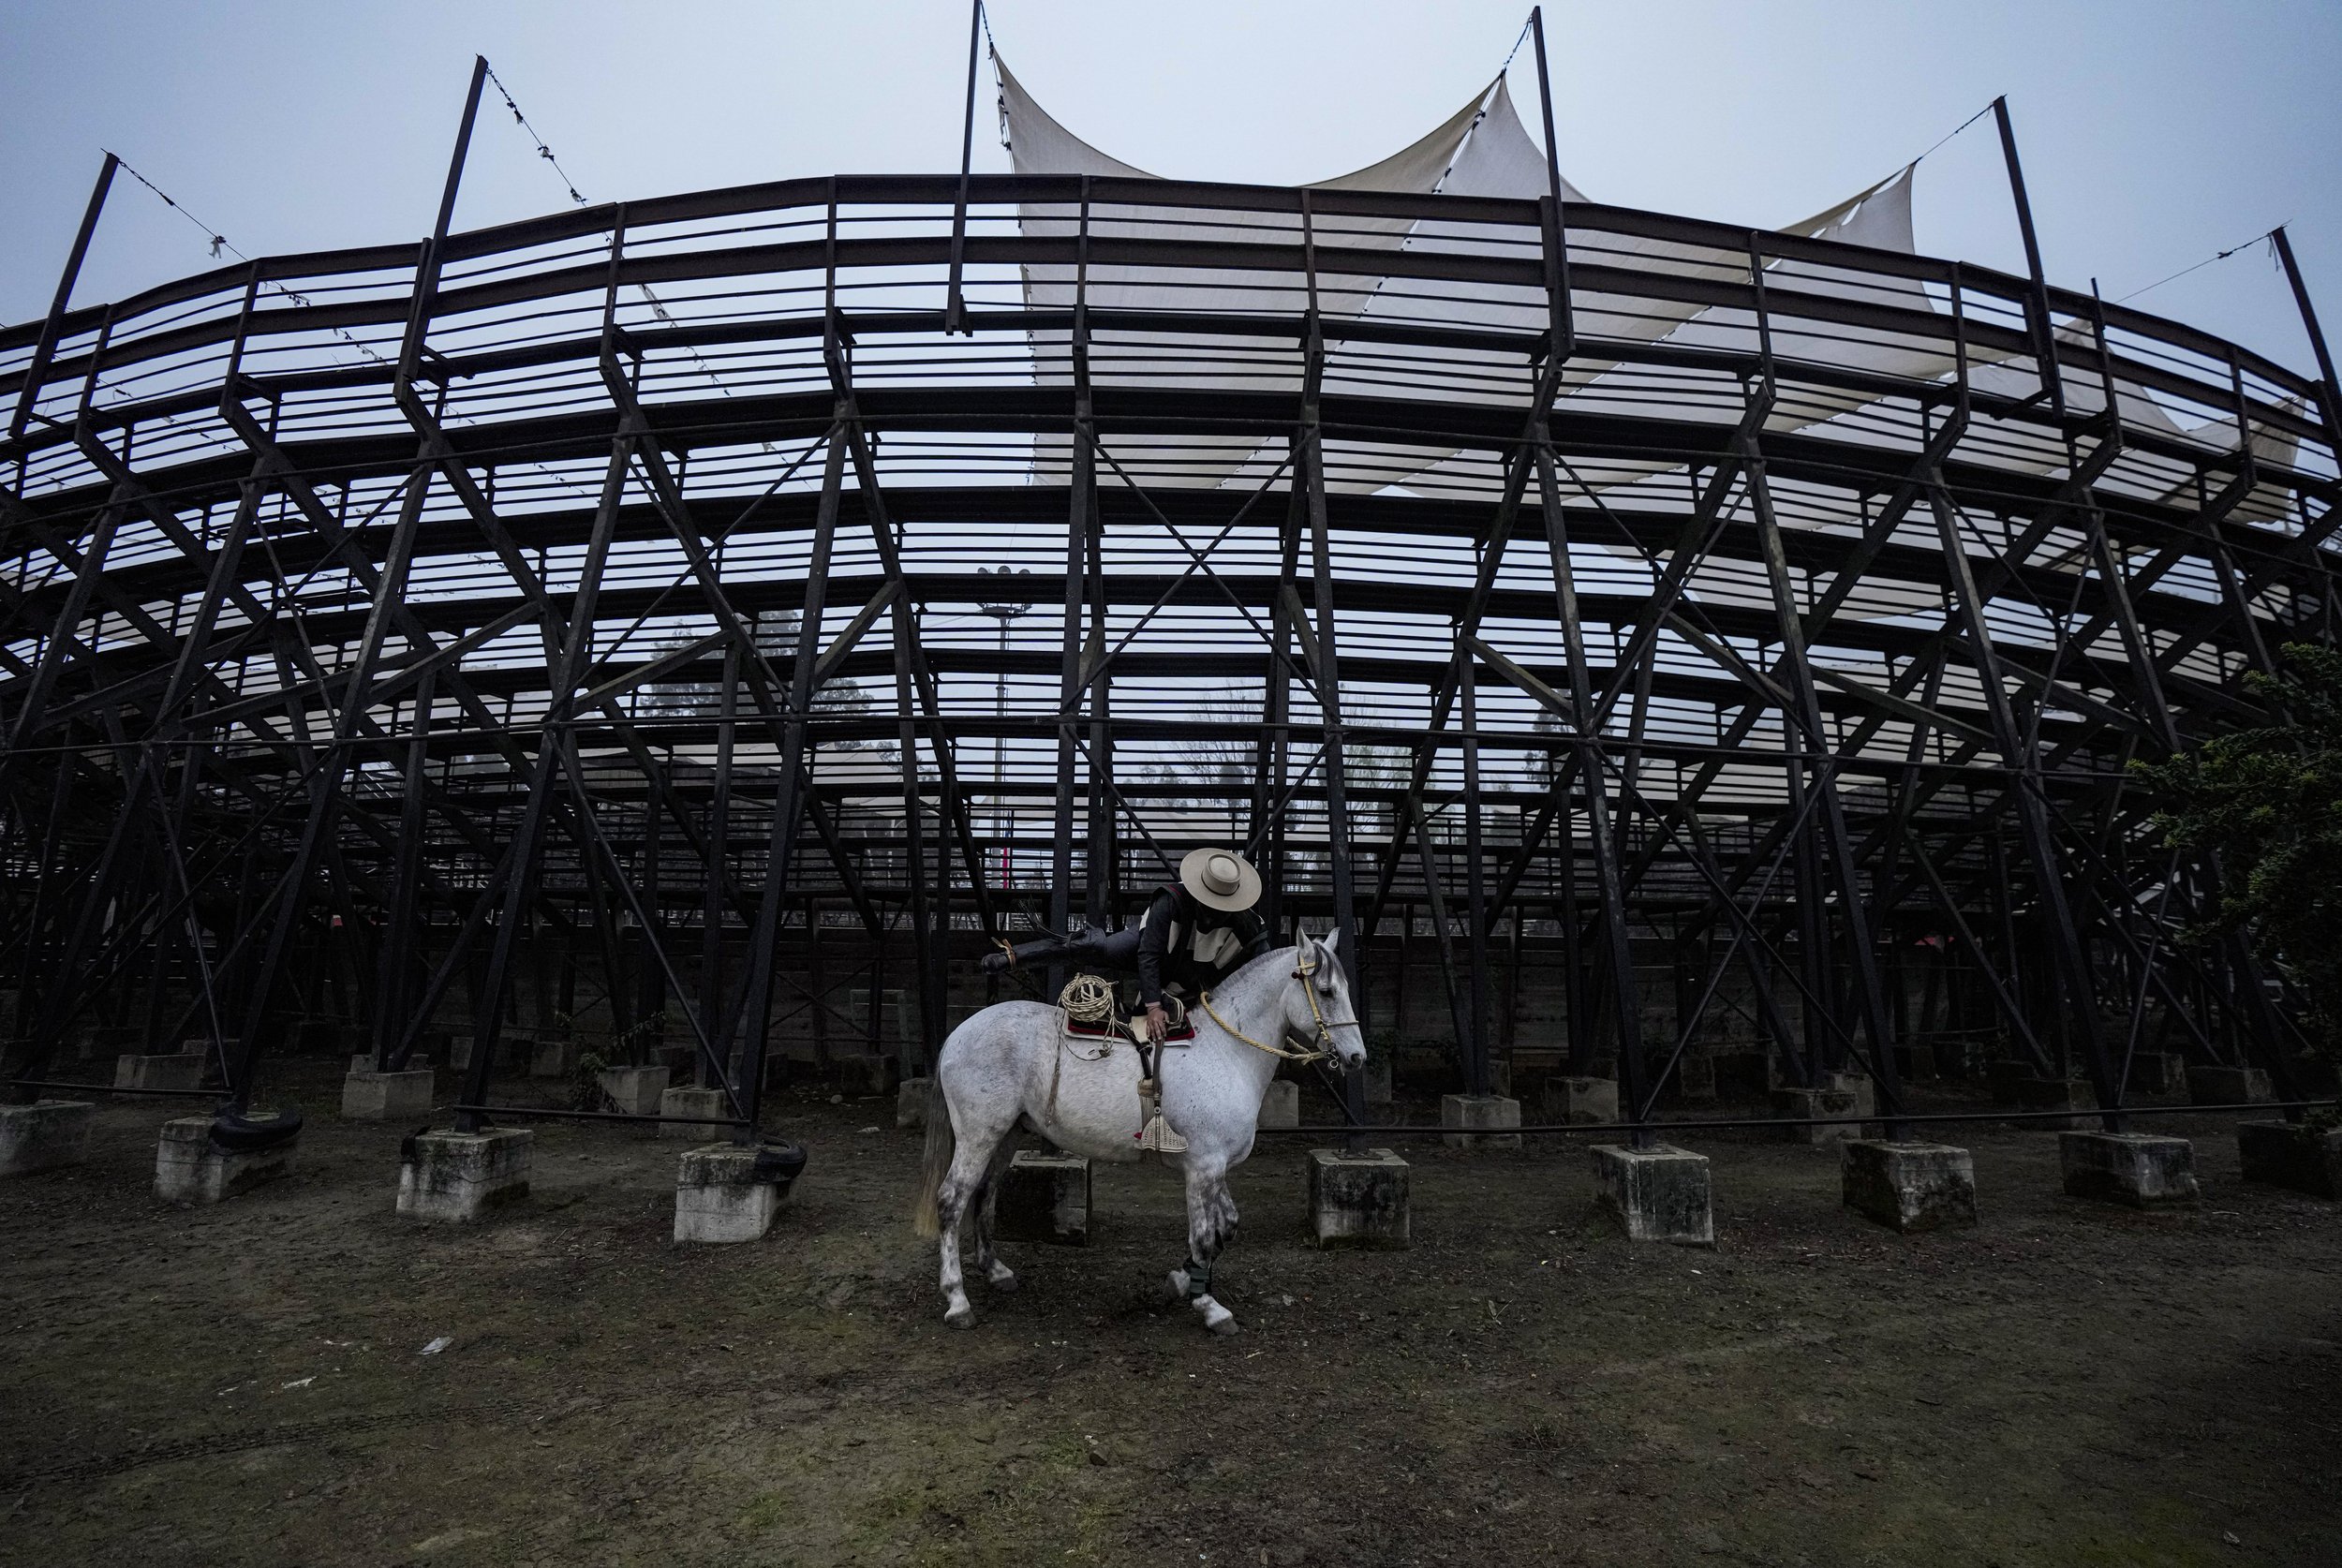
(1210, 1227)
(986, 1203)
(964, 1181)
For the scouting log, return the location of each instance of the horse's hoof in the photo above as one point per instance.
(1175, 1285)
(1002, 1282)
(1216, 1317)
(960, 1317)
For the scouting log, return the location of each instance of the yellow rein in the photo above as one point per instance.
(1324, 1029)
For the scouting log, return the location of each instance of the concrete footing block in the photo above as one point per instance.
(1660, 1194)
(689, 1102)
(1582, 1102)
(634, 1091)
(1358, 1200)
(1044, 1197)
(910, 1104)
(363, 1061)
(1281, 1106)
(1792, 1105)
(1480, 1120)
(371, 1096)
(2228, 1085)
(2057, 1094)
(867, 1075)
(719, 1198)
(2141, 1169)
(2158, 1072)
(2004, 1073)
(1908, 1187)
(553, 1055)
(1695, 1081)
(1915, 1062)
(322, 1037)
(2286, 1154)
(43, 1135)
(191, 1169)
(180, 1070)
(459, 1176)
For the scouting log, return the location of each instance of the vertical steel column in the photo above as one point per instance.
(1476, 885)
(2330, 392)
(37, 371)
(2031, 812)
(523, 866)
(1312, 474)
(711, 997)
(2036, 300)
(1563, 319)
(1834, 846)
(1100, 907)
(394, 983)
(954, 306)
(1083, 483)
(753, 1016)
(915, 871)
(1274, 759)
(1587, 750)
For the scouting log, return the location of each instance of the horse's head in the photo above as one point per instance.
(1319, 1009)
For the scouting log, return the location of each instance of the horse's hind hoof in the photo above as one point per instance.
(960, 1317)
(1001, 1279)
(1224, 1327)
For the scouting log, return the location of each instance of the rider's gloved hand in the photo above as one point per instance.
(1156, 1025)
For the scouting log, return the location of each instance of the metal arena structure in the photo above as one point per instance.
(693, 622)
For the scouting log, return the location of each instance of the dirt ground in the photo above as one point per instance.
(2064, 1383)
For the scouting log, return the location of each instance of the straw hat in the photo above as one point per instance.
(1220, 878)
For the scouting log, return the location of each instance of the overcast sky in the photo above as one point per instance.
(2154, 133)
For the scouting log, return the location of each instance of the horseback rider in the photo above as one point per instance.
(1195, 933)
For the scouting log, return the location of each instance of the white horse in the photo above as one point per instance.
(1007, 1066)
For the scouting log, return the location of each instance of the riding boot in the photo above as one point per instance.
(1048, 950)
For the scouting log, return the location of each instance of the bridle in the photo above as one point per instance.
(1322, 1049)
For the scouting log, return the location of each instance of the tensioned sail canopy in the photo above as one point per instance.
(1482, 149)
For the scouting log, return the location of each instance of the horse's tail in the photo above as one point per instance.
(942, 1143)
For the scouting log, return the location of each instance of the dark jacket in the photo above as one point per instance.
(1192, 945)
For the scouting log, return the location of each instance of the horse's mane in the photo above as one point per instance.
(1286, 955)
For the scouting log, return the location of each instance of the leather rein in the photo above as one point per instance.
(1322, 1050)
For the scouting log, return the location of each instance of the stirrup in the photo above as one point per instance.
(1158, 1138)
(1155, 1137)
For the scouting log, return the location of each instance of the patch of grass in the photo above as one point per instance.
(769, 1511)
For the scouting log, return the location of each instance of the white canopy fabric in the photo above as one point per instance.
(1481, 150)
(1038, 145)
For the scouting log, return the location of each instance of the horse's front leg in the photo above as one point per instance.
(1210, 1227)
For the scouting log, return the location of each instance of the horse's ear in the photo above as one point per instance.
(1333, 940)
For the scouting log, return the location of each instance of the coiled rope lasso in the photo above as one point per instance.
(1088, 999)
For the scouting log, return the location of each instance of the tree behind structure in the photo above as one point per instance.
(2268, 802)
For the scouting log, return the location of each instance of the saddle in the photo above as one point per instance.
(1083, 1020)
(1090, 1013)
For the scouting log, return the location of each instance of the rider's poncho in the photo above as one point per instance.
(1189, 943)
